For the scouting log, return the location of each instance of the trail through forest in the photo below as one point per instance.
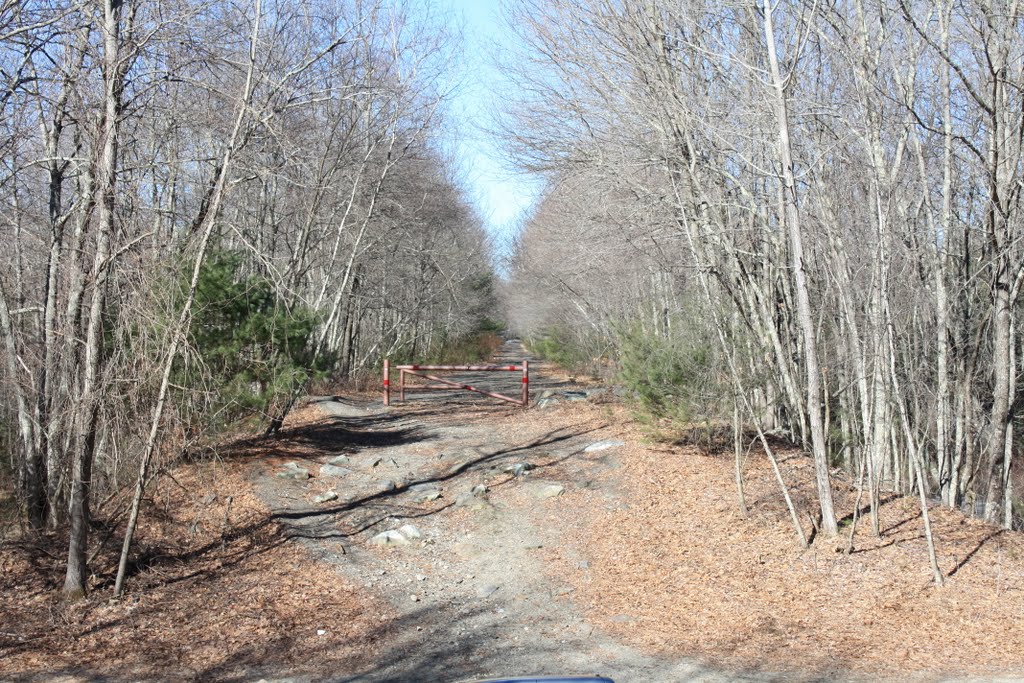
(451, 538)
(470, 588)
(792, 226)
(550, 541)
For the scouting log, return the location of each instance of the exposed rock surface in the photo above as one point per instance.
(292, 470)
(603, 445)
(334, 471)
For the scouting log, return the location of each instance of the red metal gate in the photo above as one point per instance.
(447, 385)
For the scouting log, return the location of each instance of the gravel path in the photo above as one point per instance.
(470, 595)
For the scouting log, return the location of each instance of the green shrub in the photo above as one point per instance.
(563, 348)
(675, 380)
(254, 352)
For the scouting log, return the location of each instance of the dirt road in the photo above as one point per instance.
(452, 538)
(480, 485)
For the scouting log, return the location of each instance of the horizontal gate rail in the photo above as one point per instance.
(464, 368)
(448, 385)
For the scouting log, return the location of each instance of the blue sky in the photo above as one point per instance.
(500, 195)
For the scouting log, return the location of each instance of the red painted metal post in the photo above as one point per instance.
(387, 382)
(526, 383)
(401, 385)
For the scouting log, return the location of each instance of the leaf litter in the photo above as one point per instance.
(675, 569)
(646, 541)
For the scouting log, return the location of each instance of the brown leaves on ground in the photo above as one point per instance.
(218, 592)
(671, 567)
(677, 570)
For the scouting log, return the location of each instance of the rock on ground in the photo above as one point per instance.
(292, 470)
(603, 445)
(334, 471)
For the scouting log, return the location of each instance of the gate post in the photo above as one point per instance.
(526, 383)
(387, 382)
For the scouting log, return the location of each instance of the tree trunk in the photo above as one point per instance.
(31, 459)
(806, 319)
(113, 74)
(181, 329)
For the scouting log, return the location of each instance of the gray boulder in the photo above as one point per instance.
(517, 469)
(334, 471)
(326, 497)
(401, 536)
(472, 502)
(389, 538)
(292, 470)
(425, 493)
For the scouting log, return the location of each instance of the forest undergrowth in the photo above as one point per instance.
(216, 591)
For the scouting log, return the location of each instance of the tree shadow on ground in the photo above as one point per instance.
(974, 551)
(449, 645)
(865, 509)
(363, 512)
(344, 520)
(436, 644)
(332, 435)
(252, 539)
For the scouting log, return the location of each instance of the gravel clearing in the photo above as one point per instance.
(473, 597)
